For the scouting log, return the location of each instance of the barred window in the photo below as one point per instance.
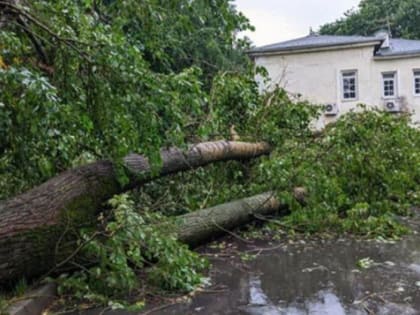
(389, 84)
(349, 85)
(417, 82)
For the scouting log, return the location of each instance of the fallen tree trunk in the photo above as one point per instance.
(197, 227)
(38, 228)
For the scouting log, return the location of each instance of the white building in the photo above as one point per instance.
(343, 71)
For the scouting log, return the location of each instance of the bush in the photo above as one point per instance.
(362, 172)
(129, 242)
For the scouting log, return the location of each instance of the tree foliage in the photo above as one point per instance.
(130, 241)
(83, 80)
(87, 80)
(400, 17)
(359, 175)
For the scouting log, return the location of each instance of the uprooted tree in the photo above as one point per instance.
(141, 242)
(83, 84)
(37, 228)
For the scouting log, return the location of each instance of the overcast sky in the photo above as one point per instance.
(279, 20)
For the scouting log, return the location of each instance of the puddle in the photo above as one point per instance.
(317, 278)
(311, 277)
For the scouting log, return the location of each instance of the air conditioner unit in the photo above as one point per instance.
(392, 106)
(331, 109)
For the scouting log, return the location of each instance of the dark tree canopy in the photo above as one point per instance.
(401, 17)
(87, 80)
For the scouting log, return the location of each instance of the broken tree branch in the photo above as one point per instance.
(32, 223)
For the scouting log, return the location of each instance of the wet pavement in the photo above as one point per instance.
(309, 276)
(317, 277)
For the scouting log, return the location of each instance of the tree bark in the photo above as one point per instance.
(198, 227)
(38, 228)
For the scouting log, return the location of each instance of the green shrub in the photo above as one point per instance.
(130, 242)
(362, 172)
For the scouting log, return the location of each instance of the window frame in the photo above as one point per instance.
(395, 84)
(349, 73)
(416, 75)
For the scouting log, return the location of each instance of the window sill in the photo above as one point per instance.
(347, 100)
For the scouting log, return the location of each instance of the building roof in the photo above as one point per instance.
(315, 41)
(397, 47)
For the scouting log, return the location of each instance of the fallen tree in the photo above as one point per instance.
(38, 229)
(203, 225)
(199, 226)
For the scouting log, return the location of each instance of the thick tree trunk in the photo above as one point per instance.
(197, 227)
(38, 228)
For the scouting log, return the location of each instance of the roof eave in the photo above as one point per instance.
(293, 50)
(397, 56)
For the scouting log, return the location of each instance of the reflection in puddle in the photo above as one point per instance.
(317, 278)
(325, 302)
(414, 267)
(395, 309)
(256, 294)
(259, 303)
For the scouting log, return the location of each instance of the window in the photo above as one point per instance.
(389, 84)
(417, 82)
(349, 85)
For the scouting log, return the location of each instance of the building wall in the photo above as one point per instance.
(316, 76)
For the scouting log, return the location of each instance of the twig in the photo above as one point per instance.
(158, 308)
(57, 245)
(217, 254)
(263, 249)
(34, 39)
(262, 218)
(232, 233)
(80, 267)
(72, 255)
(68, 41)
(214, 291)
(77, 250)
(104, 310)
(24, 298)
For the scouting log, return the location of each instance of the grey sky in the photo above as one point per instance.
(278, 20)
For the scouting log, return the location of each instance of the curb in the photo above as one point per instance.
(38, 300)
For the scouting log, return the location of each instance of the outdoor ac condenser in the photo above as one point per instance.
(331, 109)
(392, 106)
